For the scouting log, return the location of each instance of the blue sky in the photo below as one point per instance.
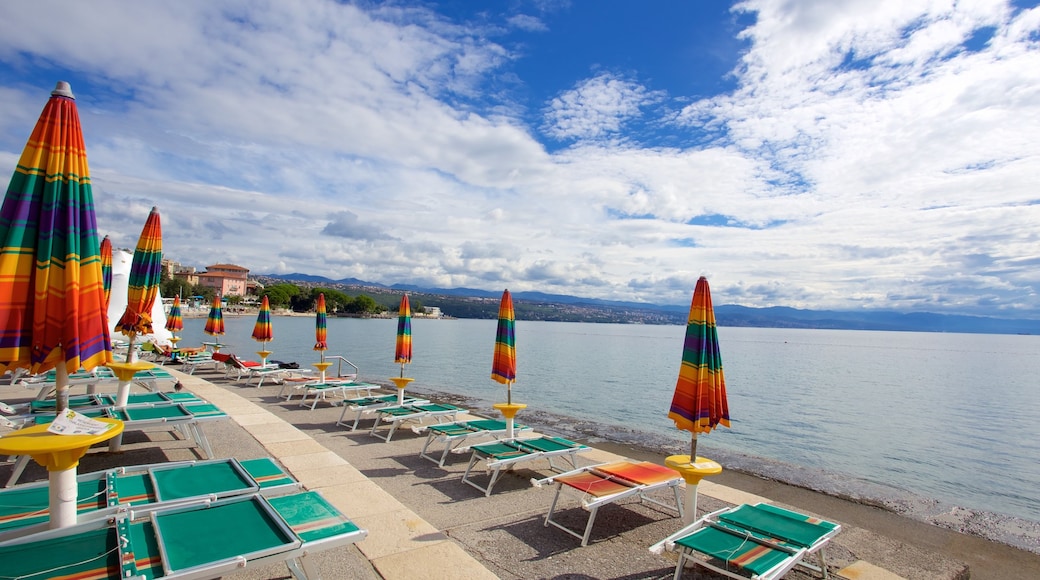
(847, 154)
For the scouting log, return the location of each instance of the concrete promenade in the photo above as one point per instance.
(423, 522)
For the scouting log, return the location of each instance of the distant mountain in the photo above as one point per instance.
(460, 303)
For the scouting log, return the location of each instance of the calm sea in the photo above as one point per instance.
(940, 427)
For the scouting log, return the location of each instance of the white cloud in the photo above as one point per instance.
(597, 107)
(873, 154)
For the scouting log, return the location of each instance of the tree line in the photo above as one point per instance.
(293, 297)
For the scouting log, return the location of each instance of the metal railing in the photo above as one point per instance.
(339, 367)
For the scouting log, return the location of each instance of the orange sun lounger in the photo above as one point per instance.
(606, 483)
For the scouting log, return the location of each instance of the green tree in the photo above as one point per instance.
(335, 301)
(363, 304)
(281, 295)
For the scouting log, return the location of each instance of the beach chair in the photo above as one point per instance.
(461, 435)
(339, 390)
(24, 508)
(187, 418)
(194, 362)
(413, 413)
(252, 370)
(508, 453)
(201, 540)
(751, 541)
(606, 483)
(85, 402)
(370, 405)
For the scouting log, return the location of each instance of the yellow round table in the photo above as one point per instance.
(509, 411)
(60, 454)
(402, 383)
(692, 472)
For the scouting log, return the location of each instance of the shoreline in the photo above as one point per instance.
(962, 544)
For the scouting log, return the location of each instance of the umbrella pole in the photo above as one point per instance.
(61, 387)
(693, 448)
(509, 401)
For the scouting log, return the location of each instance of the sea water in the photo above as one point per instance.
(940, 427)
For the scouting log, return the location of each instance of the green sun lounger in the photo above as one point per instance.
(79, 402)
(455, 436)
(187, 418)
(369, 405)
(339, 389)
(413, 413)
(24, 508)
(506, 454)
(751, 541)
(204, 540)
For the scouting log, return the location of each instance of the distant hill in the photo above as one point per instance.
(475, 303)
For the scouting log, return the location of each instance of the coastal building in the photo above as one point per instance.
(225, 279)
(177, 271)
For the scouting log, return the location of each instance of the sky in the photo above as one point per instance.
(850, 154)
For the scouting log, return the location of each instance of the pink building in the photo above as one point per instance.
(225, 279)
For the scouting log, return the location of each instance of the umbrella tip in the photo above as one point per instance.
(63, 89)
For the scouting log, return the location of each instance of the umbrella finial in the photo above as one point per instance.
(63, 89)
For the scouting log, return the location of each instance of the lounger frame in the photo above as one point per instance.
(525, 452)
(795, 556)
(416, 412)
(592, 503)
(461, 436)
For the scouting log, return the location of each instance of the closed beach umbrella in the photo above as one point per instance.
(145, 275)
(503, 369)
(215, 320)
(403, 349)
(262, 330)
(106, 269)
(52, 297)
(175, 320)
(321, 328)
(699, 403)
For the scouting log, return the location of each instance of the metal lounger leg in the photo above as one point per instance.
(302, 568)
(19, 467)
(201, 440)
(422, 453)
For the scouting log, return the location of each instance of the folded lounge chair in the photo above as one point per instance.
(204, 540)
(508, 453)
(609, 482)
(370, 405)
(414, 413)
(457, 435)
(751, 541)
(24, 508)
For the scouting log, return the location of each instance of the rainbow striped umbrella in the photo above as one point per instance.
(215, 320)
(403, 350)
(106, 269)
(174, 320)
(52, 296)
(321, 327)
(262, 330)
(503, 369)
(145, 275)
(699, 403)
